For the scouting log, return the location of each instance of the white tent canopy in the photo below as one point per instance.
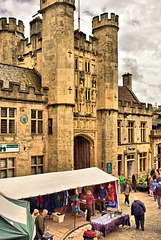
(13, 211)
(48, 183)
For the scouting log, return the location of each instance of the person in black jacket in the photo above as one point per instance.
(134, 181)
(138, 209)
(158, 193)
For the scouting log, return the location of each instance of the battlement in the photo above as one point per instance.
(46, 3)
(20, 92)
(134, 108)
(81, 42)
(11, 26)
(103, 20)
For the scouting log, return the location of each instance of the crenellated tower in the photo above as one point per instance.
(58, 75)
(105, 29)
(10, 36)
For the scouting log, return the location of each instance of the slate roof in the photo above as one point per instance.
(124, 94)
(10, 73)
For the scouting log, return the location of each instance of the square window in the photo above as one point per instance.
(3, 163)
(10, 173)
(3, 112)
(11, 112)
(11, 126)
(11, 162)
(3, 126)
(3, 173)
(33, 126)
(40, 169)
(40, 159)
(33, 113)
(40, 127)
(33, 160)
(33, 170)
(39, 114)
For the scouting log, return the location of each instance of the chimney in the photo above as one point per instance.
(127, 80)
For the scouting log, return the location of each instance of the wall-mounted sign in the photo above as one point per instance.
(109, 167)
(24, 119)
(131, 149)
(7, 148)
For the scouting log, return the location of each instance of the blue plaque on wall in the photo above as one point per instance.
(24, 119)
(109, 167)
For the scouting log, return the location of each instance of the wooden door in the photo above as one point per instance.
(81, 153)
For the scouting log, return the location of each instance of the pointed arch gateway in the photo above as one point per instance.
(81, 153)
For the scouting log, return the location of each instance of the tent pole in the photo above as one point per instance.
(116, 186)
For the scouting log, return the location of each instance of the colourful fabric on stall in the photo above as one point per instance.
(77, 205)
(65, 198)
(111, 192)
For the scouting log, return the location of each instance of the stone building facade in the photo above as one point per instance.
(155, 138)
(60, 99)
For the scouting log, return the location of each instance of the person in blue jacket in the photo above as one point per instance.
(154, 184)
(102, 197)
(138, 209)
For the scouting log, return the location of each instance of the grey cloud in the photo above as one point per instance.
(23, 1)
(135, 22)
(89, 13)
(130, 65)
(4, 11)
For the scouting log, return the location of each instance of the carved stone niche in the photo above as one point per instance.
(93, 81)
(81, 75)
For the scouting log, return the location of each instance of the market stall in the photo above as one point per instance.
(51, 190)
(109, 221)
(16, 221)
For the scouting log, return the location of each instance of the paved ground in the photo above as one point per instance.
(152, 223)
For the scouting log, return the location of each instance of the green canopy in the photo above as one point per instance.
(16, 221)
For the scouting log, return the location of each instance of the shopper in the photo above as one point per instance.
(159, 179)
(134, 181)
(122, 179)
(138, 209)
(35, 214)
(40, 225)
(89, 233)
(154, 184)
(102, 197)
(152, 172)
(158, 193)
(126, 191)
(89, 198)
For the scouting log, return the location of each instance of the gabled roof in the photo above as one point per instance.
(29, 77)
(124, 94)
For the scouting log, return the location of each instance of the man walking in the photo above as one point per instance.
(138, 209)
(158, 193)
(40, 225)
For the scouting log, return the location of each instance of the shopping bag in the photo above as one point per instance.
(132, 220)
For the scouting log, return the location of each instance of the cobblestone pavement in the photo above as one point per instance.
(152, 220)
(152, 223)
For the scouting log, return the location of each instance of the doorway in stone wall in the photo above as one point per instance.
(81, 153)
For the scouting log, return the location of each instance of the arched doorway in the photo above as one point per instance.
(81, 153)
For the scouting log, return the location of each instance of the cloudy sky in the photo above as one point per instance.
(139, 36)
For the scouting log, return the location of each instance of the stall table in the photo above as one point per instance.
(109, 221)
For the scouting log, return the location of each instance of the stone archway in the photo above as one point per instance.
(81, 153)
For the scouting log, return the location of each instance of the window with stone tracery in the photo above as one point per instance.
(85, 86)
